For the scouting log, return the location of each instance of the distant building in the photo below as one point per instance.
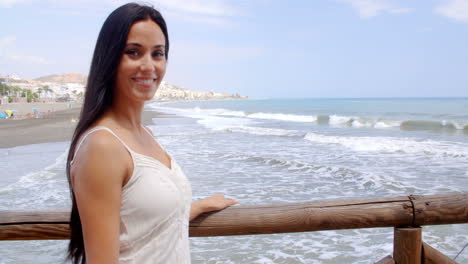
(14, 77)
(3, 100)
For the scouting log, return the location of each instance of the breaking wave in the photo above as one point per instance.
(331, 120)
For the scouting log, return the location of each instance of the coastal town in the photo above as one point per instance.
(69, 89)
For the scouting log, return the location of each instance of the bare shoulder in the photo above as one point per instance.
(101, 154)
(98, 175)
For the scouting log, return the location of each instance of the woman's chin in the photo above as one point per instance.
(148, 97)
(145, 94)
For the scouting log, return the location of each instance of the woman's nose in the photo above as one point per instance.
(146, 63)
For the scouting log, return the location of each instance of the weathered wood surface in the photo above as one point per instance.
(34, 217)
(266, 219)
(34, 231)
(440, 209)
(433, 256)
(304, 217)
(407, 245)
(34, 225)
(386, 260)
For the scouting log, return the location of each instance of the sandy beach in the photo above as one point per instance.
(23, 109)
(56, 125)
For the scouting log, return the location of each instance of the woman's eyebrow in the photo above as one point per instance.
(139, 45)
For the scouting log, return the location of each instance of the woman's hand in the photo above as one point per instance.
(213, 203)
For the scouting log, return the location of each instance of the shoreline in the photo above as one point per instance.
(57, 126)
(54, 122)
(34, 110)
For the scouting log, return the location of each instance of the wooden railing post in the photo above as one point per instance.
(407, 245)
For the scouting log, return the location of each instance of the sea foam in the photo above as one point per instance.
(393, 145)
(333, 120)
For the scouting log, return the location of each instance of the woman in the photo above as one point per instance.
(131, 201)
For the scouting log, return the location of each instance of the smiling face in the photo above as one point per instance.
(143, 63)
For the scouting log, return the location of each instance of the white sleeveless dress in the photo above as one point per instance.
(154, 212)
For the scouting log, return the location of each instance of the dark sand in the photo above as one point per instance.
(56, 127)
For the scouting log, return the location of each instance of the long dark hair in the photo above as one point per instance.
(99, 93)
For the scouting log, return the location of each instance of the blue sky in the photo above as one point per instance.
(264, 48)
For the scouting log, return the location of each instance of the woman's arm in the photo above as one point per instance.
(213, 203)
(98, 174)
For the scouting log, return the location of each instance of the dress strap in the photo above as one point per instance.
(147, 131)
(97, 128)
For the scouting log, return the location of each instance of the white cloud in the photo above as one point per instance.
(10, 3)
(454, 9)
(201, 7)
(371, 8)
(368, 8)
(28, 59)
(7, 52)
(214, 12)
(197, 19)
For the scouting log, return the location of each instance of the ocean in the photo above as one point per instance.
(276, 151)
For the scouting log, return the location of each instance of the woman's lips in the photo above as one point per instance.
(145, 82)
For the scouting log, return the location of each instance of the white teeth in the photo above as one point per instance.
(150, 81)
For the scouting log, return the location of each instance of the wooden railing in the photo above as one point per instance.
(406, 214)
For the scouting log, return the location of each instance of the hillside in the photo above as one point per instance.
(166, 91)
(64, 78)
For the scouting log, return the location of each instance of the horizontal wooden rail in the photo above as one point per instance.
(333, 215)
(267, 219)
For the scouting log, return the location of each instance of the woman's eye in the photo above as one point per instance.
(158, 54)
(132, 52)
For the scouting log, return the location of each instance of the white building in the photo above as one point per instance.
(3, 100)
(14, 77)
(75, 89)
